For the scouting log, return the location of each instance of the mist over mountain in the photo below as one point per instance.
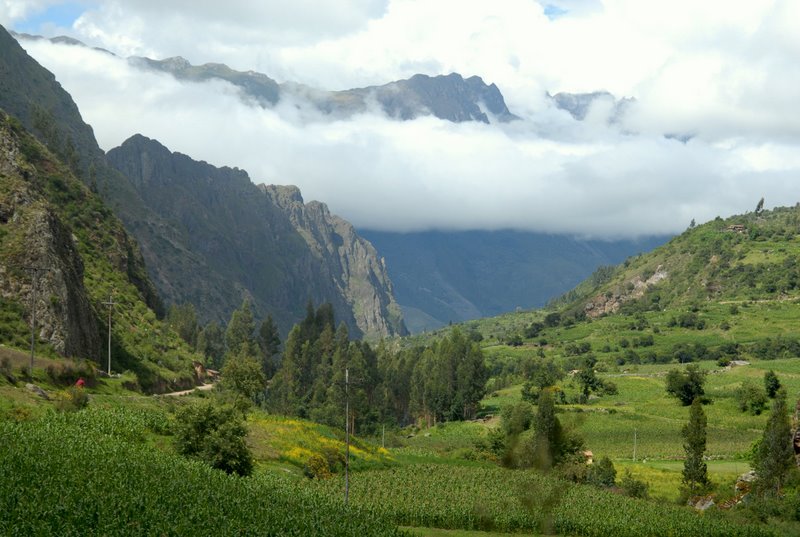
(449, 97)
(209, 236)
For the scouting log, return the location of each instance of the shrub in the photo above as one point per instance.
(602, 473)
(633, 487)
(214, 434)
(686, 385)
(67, 373)
(72, 399)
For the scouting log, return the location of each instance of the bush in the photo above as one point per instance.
(633, 487)
(214, 434)
(67, 373)
(686, 385)
(602, 473)
(751, 397)
(72, 399)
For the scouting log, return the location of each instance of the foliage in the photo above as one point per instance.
(242, 373)
(269, 342)
(72, 399)
(695, 471)
(65, 373)
(771, 384)
(241, 330)
(751, 397)
(213, 434)
(775, 455)
(211, 344)
(633, 487)
(444, 381)
(182, 318)
(539, 374)
(686, 385)
(550, 444)
(602, 473)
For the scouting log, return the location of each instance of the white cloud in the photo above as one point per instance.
(723, 72)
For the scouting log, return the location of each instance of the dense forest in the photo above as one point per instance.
(442, 381)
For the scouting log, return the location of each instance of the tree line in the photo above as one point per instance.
(305, 376)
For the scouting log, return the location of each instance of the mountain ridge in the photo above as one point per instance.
(449, 97)
(262, 243)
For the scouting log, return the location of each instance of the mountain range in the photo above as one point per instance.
(212, 238)
(252, 244)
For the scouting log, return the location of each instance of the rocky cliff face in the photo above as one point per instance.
(34, 236)
(231, 240)
(351, 263)
(31, 94)
(449, 97)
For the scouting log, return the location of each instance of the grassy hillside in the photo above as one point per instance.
(94, 248)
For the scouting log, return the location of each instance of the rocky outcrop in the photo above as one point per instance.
(31, 94)
(611, 301)
(33, 237)
(449, 97)
(229, 240)
(352, 263)
(579, 104)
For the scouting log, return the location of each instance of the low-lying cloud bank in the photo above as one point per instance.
(546, 172)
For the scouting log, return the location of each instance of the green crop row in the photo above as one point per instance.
(81, 475)
(494, 499)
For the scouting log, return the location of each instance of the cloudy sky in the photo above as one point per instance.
(726, 73)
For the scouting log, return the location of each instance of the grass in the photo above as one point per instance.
(436, 532)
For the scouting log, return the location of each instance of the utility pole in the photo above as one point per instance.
(110, 305)
(35, 271)
(347, 434)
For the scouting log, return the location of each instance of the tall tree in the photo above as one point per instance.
(241, 329)
(545, 447)
(775, 455)
(695, 471)
(242, 373)
(269, 342)
(771, 384)
(183, 319)
(211, 343)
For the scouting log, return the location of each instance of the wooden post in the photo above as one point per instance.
(347, 435)
(110, 305)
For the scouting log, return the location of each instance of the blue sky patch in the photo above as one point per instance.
(57, 16)
(553, 12)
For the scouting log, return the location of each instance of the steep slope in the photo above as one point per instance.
(742, 258)
(243, 241)
(31, 94)
(51, 221)
(183, 270)
(454, 276)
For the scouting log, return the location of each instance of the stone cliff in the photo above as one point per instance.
(231, 241)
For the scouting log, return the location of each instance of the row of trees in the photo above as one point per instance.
(442, 382)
